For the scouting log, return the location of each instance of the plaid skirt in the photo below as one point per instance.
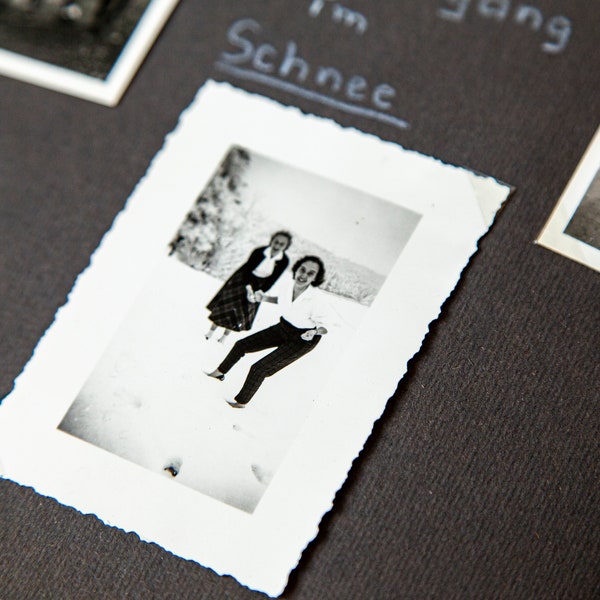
(230, 307)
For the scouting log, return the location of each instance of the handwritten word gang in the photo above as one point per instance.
(288, 65)
(558, 29)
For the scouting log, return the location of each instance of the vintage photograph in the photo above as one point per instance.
(585, 223)
(573, 230)
(88, 48)
(220, 364)
(267, 279)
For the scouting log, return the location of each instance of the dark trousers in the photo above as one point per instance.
(288, 344)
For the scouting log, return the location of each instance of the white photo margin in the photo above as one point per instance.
(553, 235)
(107, 91)
(262, 548)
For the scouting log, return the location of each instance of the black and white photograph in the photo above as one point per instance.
(585, 223)
(573, 229)
(269, 276)
(222, 361)
(87, 48)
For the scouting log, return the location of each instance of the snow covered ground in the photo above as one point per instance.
(149, 401)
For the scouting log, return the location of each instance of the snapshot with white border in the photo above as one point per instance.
(221, 362)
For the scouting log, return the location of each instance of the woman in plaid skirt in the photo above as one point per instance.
(234, 307)
(302, 324)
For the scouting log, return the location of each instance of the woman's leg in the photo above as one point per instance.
(210, 332)
(226, 332)
(261, 340)
(280, 358)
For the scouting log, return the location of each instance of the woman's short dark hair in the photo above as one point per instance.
(286, 234)
(320, 278)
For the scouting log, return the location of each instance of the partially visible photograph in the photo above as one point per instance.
(585, 223)
(88, 48)
(223, 355)
(573, 230)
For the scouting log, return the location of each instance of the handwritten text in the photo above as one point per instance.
(286, 68)
(340, 14)
(557, 29)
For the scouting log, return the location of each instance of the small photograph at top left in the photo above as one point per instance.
(86, 48)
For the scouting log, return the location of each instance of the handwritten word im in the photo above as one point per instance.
(286, 69)
(558, 29)
(340, 14)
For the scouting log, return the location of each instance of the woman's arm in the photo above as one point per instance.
(260, 296)
(320, 315)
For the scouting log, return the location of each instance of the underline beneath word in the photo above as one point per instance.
(310, 95)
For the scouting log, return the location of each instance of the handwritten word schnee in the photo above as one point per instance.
(557, 29)
(285, 68)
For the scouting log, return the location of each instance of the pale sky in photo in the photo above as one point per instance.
(350, 223)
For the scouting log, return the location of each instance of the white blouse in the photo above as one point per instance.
(307, 311)
(267, 265)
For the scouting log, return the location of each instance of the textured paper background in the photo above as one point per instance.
(481, 478)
